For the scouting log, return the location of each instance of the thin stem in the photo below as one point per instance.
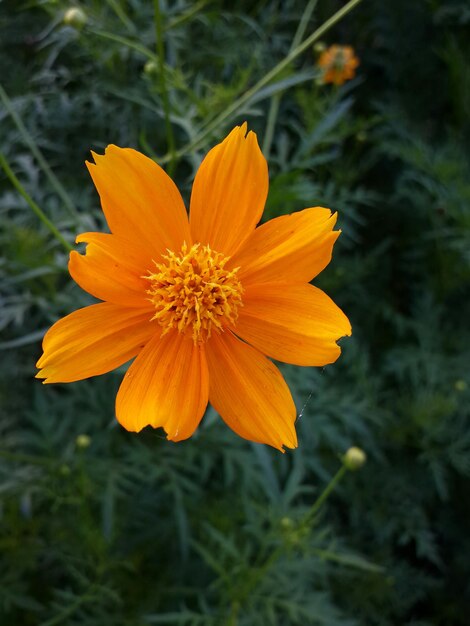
(186, 16)
(37, 153)
(305, 523)
(271, 124)
(138, 47)
(323, 496)
(24, 458)
(302, 27)
(243, 99)
(234, 610)
(166, 103)
(116, 7)
(44, 219)
(125, 41)
(276, 99)
(308, 517)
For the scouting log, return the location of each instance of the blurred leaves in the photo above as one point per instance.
(132, 530)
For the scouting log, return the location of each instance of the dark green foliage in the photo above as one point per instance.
(123, 529)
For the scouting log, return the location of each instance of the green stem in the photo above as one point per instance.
(323, 496)
(276, 99)
(186, 16)
(150, 54)
(166, 103)
(37, 153)
(263, 82)
(259, 573)
(302, 27)
(233, 617)
(271, 124)
(125, 41)
(308, 517)
(138, 47)
(24, 459)
(44, 219)
(116, 7)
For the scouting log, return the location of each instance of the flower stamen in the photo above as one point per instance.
(193, 292)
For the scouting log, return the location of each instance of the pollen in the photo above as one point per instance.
(193, 293)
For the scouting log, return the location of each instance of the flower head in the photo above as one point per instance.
(338, 63)
(75, 17)
(354, 458)
(201, 303)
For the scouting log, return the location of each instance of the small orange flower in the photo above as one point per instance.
(339, 64)
(200, 303)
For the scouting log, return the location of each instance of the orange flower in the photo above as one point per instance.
(198, 302)
(339, 64)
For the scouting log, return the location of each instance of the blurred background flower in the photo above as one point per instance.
(338, 64)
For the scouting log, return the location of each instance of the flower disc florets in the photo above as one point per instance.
(193, 292)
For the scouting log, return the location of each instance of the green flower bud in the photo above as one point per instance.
(82, 441)
(354, 459)
(75, 17)
(460, 385)
(150, 68)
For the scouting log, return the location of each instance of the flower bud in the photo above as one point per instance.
(75, 17)
(82, 441)
(150, 68)
(64, 470)
(354, 458)
(460, 385)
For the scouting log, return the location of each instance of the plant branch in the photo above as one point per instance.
(7, 103)
(246, 97)
(163, 87)
(36, 209)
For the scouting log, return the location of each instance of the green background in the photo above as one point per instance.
(134, 530)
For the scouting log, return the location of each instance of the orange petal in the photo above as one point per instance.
(291, 247)
(249, 392)
(229, 192)
(92, 341)
(296, 324)
(140, 201)
(167, 385)
(112, 269)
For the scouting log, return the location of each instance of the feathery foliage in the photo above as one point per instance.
(99, 526)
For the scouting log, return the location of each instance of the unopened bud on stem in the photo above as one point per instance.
(82, 441)
(354, 459)
(75, 17)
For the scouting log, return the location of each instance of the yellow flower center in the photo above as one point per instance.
(193, 292)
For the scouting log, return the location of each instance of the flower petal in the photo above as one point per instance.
(167, 385)
(92, 341)
(229, 192)
(249, 392)
(296, 324)
(140, 201)
(112, 270)
(291, 247)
